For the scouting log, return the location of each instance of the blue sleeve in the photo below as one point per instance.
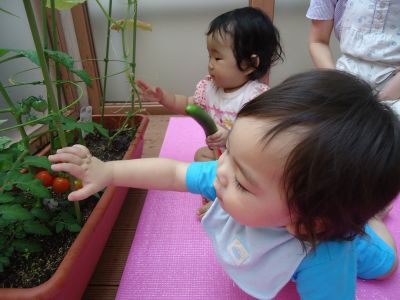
(375, 258)
(200, 178)
(331, 270)
(328, 273)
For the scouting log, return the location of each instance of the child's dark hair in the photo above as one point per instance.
(346, 167)
(252, 32)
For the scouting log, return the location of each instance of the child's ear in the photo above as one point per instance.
(252, 64)
(254, 61)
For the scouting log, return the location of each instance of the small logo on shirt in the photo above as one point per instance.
(238, 252)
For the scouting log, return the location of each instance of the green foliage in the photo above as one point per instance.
(88, 127)
(57, 56)
(23, 218)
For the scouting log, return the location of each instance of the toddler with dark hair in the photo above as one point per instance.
(242, 45)
(308, 166)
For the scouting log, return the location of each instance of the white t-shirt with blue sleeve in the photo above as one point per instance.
(262, 260)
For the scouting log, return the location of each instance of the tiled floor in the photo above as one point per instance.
(105, 280)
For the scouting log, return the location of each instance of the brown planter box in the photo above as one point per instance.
(73, 274)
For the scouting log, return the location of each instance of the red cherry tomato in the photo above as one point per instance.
(60, 185)
(45, 177)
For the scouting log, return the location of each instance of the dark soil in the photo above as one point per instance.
(34, 269)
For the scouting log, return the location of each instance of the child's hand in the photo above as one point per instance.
(150, 93)
(78, 162)
(218, 139)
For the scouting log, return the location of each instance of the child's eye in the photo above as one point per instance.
(240, 187)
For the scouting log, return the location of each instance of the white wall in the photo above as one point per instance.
(15, 33)
(290, 19)
(174, 54)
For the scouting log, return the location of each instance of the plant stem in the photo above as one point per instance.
(109, 20)
(11, 58)
(133, 61)
(46, 76)
(44, 24)
(5, 110)
(55, 47)
(16, 115)
(45, 71)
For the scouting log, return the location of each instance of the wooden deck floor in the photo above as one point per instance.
(105, 281)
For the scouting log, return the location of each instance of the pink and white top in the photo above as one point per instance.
(221, 106)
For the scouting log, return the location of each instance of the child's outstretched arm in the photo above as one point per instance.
(148, 173)
(391, 91)
(174, 103)
(318, 41)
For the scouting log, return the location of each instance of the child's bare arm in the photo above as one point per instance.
(382, 231)
(173, 102)
(391, 91)
(149, 173)
(318, 40)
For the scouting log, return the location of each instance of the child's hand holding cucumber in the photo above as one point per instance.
(215, 135)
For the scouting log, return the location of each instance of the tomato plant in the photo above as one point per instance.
(45, 177)
(60, 184)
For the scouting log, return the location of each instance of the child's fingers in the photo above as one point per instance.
(77, 149)
(74, 170)
(141, 85)
(158, 92)
(82, 193)
(65, 157)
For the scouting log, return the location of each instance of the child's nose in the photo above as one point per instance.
(210, 65)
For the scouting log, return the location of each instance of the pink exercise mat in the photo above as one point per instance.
(171, 256)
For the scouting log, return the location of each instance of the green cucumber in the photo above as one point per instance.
(202, 117)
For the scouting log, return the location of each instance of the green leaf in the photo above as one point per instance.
(16, 213)
(35, 188)
(101, 130)
(4, 223)
(3, 121)
(59, 227)
(72, 124)
(64, 4)
(15, 176)
(82, 74)
(4, 142)
(6, 198)
(3, 51)
(74, 227)
(61, 58)
(30, 54)
(86, 126)
(70, 140)
(6, 161)
(34, 227)
(5, 261)
(27, 246)
(40, 213)
(37, 161)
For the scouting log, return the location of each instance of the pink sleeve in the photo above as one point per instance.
(199, 97)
